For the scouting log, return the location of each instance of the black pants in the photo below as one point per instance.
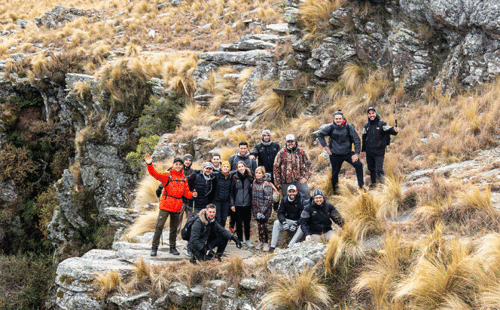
(337, 160)
(376, 166)
(219, 242)
(243, 217)
(160, 222)
(222, 212)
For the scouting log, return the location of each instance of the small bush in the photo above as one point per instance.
(160, 115)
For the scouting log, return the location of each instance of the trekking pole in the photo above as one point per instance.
(395, 113)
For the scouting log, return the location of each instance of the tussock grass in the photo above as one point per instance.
(301, 291)
(314, 15)
(108, 283)
(343, 249)
(146, 190)
(145, 223)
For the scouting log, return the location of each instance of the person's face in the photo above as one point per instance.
(290, 144)
(216, 161)
(188, 162)
(292, 194)
(241, 168)
(207, 171)
(258, 175)
(178, 166)
(338, 119)
(225, 168)
(318, 199)
(243, 150)
(266, 138)
(211, 213)
(372, 115)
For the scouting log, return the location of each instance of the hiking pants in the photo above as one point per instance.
(222, 212)
(327, 236)
(263, 233)
(278, 227)
(243, 217)
(160, 222)
(337, 160)
(219, 242)
(303, 188)
(376, 166)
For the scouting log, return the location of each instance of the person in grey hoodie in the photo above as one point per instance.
(342, 136)
(243, 155)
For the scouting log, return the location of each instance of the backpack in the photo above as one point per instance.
(186, 231)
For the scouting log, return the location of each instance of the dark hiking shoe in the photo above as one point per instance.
(154, 251)
(218, 257)
(192, 259)
(271, 250)
(174, 251)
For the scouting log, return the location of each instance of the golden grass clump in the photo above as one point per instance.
(145, 223)
(108, 283)
(301, 291)
(145, 191)
(361, 211)
(343, 249)
(352, 76)
(314, 15)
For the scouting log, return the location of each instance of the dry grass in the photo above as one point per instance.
(301, 291)
(314, 15)
(145, 223)
(343, 249)
(145, 191)
(108, 283)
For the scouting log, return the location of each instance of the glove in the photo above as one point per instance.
(260, 217)
(286, 226)
(292, 228)
(238, 243)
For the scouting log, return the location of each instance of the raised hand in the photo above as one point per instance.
(148, 159)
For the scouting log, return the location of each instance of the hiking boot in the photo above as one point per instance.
(174, 251)
(154, 251)
(218, 257)
(249, 244)
(259, 246)
(266, 247)
(271, 250)
(192, 259)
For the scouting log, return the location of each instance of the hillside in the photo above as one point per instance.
(87, 88)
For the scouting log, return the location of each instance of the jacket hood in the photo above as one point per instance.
(202, 216)
(239, 155)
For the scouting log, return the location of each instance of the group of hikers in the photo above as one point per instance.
(248, 185)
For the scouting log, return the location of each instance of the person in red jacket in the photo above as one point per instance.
(175, 185)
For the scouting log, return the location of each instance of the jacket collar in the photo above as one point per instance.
(202, 217)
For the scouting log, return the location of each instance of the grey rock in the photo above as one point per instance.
(272, 38)
(301, 45)
(18, 56)
(286, 84)
(341, 17)
(263, 71)
(291, 15)
(278, 28)
(72, 78)
(331, 57)
(77, 300)
(59, 16)
(251, 284)
(22, 23)
(8, 191)
(169, 150)
(177, 2)
(246, 58)
(132, 302)
(247, 45)
(224, 123)
(162, 5)
(302, 255)
(181, 295)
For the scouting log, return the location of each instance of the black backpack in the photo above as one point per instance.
(186, 231)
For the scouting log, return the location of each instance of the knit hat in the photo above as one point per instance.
(290, 137)
(178, 159)
(318, 192)
(292, 188)
(208, 164)
(226, 163)
(188, 156)
(338, 113)
(266, 132)
(371, 109)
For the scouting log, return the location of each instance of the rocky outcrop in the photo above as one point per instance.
(59, 15)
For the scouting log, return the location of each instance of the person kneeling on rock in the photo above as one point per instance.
(176, 186)
(207, 234)
(316, 218)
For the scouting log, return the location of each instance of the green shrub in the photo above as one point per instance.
(160, 115)
(25, 281)
(146, 145)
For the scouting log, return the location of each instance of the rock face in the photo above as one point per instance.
(58, 16)
(302, 255)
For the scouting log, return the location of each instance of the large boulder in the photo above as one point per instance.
(301, 256)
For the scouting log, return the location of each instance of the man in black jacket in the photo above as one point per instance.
(375, 135)
(244, 156)
(207, 234)
(317, 216)
(265, 152)
(201, 181)
(342, 136)
(289, 212)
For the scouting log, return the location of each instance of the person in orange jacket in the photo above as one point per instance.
(176, 186)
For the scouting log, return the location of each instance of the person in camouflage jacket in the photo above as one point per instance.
(292, 166)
